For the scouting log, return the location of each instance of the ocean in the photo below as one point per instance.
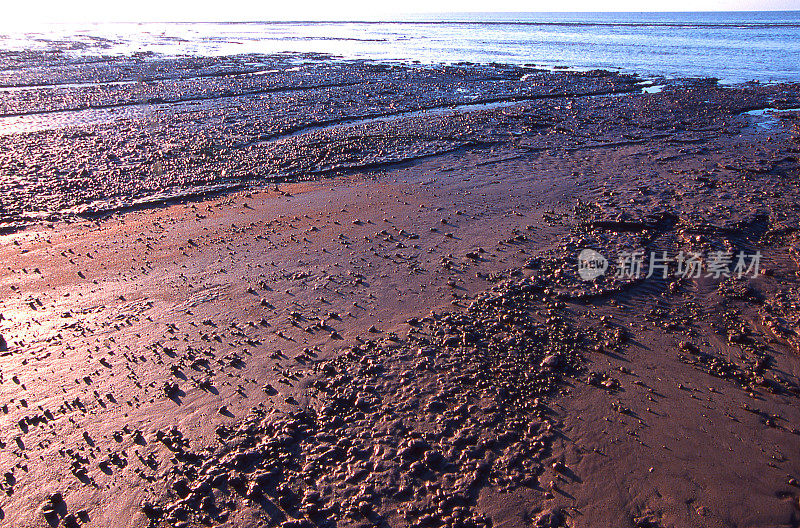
(731, 46)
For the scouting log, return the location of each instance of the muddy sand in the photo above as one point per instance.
(392, 329)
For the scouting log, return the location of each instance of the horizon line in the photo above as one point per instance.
(381, 19)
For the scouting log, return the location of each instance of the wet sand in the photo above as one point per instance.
(406, 342)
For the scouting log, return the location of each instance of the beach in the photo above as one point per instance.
(294, 291)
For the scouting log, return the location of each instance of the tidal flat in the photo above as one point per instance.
(295, 291)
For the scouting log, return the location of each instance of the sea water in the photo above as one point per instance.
(731, 46)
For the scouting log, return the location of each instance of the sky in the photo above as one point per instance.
(35, 11)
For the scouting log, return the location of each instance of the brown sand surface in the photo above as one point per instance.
(411, 346)
(204, 284)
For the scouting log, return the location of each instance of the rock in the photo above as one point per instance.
(254, 490)
(414, 450)
(433, 459)
(56, 499)
(551, 518)
(552, 361)
(151, 510)
(48, 508)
